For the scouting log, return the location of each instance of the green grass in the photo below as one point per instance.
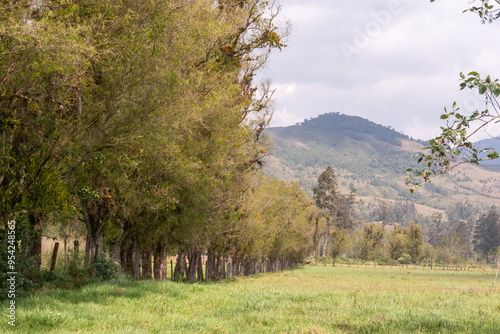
(303, 300)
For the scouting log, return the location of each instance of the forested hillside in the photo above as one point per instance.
(372, 159)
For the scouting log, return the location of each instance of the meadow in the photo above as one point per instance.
(305, 299)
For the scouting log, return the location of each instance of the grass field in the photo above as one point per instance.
(302, 300)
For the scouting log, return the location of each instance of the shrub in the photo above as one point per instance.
(27, 279)
(77, 272)
(384, 260)
(106, 268)
(405, 259)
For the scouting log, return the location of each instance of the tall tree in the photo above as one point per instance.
(487, 233)
(338, 209)
(415, 241)
(437, 230)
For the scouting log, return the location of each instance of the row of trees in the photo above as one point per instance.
(392, 244)
(142, 120)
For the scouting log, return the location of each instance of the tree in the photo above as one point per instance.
(44, 66)
(453, 249)
(436, 232)
(338, 209)
(371, 245)
(454, 146)
(396, 242)
(325, 192)
(487, 233)
(415, 241)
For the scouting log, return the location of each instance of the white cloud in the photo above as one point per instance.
(403, 77)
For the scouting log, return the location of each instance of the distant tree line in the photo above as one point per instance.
(392, 236)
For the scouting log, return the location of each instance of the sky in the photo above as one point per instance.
(394, 62)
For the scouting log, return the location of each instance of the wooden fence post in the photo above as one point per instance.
(54, 257)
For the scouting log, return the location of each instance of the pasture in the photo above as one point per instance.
(305, 299)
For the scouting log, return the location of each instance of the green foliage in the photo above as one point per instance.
(106, 268)
(371, 244)
(325, 193)
(487, 233)
(144, 120)
(77, 272)
(405, 258)
(275, 222)
(27, 279)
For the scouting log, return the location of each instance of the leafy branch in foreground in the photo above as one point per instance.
(486, 11)
(454, 146)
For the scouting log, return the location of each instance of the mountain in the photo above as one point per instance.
(372, 159)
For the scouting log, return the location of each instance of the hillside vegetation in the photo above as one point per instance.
(372, 159)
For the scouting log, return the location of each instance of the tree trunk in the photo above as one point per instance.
(76, 249)
(160, 261)
(200, 268)
(114, 251)
(315, 242)
(210, 266)
(146, 265)
(236, 265)
(222, 267)
(217, 265)
(229, 267)
(325, 249)
(95, 213)
(180, 266)
(136, 262)
(65, 255)
(157, 266)
(128, 258)
(164, 259)
(193, 266)
(36, 226)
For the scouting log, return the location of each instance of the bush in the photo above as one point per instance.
(405, 259)
(27, 279)
(77, 272)
(106, 268)
(385, 260)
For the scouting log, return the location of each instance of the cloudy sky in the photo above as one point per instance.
(394, 62)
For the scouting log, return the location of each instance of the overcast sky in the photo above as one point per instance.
(394, 62)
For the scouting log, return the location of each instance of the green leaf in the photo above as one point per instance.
(493, 155)
(482, 89)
